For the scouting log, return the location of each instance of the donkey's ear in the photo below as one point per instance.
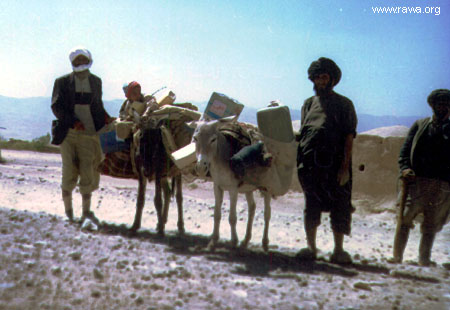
(193, 124)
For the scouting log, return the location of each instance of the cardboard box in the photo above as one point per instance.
(123, 129)
(220, 106)
(184, 156)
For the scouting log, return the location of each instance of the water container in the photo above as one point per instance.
(220, 106)
(275, 123)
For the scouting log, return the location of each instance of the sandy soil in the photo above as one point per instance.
(48, 263)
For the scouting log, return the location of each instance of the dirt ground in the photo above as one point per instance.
(49, 263)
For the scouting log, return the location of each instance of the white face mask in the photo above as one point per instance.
(81, 68)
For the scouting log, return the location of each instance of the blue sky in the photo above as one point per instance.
(253, 51)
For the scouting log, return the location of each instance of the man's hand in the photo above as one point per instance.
(408, 175)
(110, 119)
(343, 176)
(344, 172)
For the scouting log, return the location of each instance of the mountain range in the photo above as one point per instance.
(29, 118)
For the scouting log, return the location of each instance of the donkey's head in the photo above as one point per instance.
(152, 152)
(206, 138)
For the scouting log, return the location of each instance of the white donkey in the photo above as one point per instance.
(213, 155)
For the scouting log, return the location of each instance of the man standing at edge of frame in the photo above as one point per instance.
(425, 176)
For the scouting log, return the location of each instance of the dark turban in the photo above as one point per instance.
(439, 95)
(325, 65)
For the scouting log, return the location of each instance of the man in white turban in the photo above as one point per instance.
(86, 56)
(78, 106)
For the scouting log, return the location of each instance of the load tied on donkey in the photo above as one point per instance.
(237, 157)
(241, 158)
(140, 144)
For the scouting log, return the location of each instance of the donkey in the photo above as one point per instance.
(153, 163)
(214, 152)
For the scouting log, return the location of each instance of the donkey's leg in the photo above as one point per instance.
(233, 218)
(251, 215)
(159, 205)
(140, 201)
(179, 196)
(166, 202)
(218, 196)
(267, 211)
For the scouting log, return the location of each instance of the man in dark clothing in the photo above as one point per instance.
(328, 127)
(425, 174)
(78, 106)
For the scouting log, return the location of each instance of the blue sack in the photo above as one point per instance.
(110, 143)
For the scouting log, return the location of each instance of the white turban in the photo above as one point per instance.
(77, 51)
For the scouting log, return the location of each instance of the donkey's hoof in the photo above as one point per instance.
(133, 231)
(180, 226)
(160, 230)
(243, 245)
(160, 233)
(394, 260)
(211, 247)
(265, 245)
(181, 231)
(134, 228)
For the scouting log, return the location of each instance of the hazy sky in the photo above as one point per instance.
(253, 51)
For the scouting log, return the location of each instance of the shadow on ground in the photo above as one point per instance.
(254, 261)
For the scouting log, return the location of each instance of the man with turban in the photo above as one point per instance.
(328, 127)
(78, 106)
(425, 173)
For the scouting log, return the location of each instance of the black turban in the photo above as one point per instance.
(325, 65)
(438, 95)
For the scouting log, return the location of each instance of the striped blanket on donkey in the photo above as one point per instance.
(119, 165)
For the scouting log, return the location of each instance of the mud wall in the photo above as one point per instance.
(375, 167)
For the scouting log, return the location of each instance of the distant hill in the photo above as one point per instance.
(365, 121)
(29, 118)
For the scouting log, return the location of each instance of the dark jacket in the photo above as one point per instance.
(416, 139)
(63, 105)
(325, 124)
